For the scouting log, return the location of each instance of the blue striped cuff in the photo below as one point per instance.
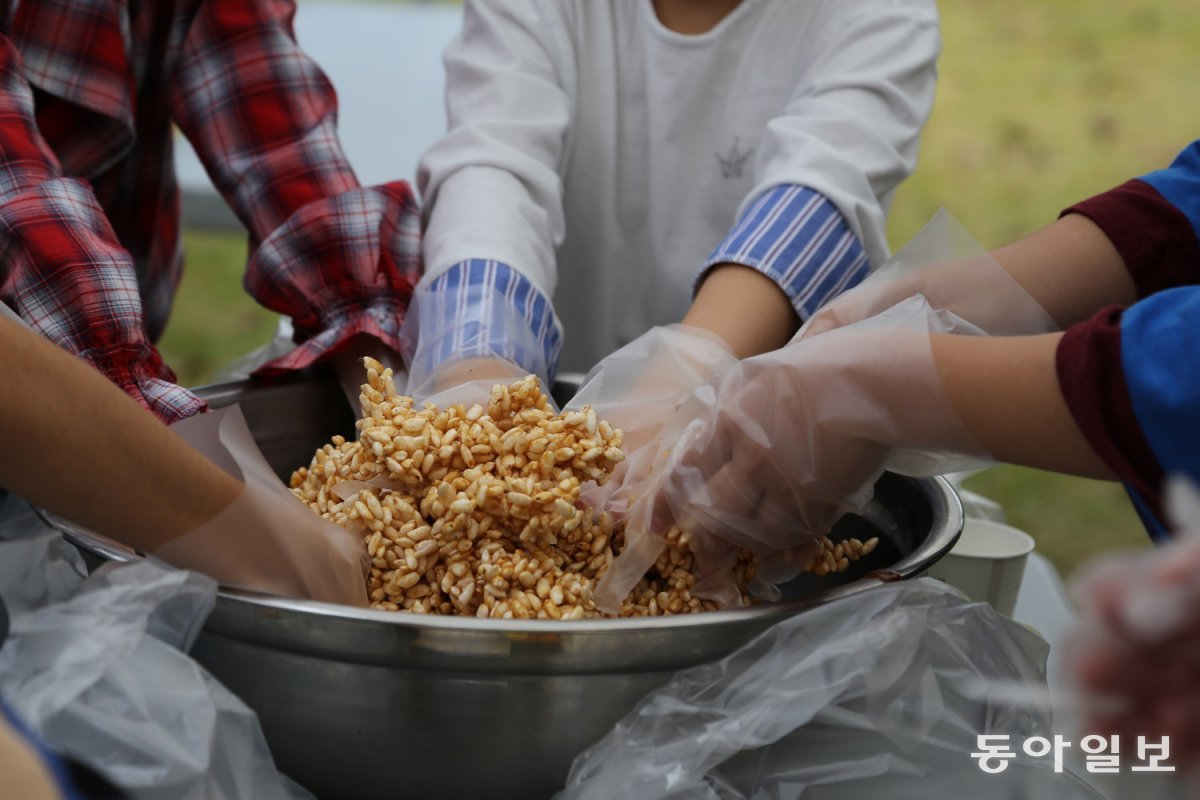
(486, 308)
(799, 239)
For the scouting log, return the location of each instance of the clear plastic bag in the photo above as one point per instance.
(97, 667)
(868, 697)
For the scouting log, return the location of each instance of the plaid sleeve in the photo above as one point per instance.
(61, 267)
(799, 239)
(338, 258)
(486, 308)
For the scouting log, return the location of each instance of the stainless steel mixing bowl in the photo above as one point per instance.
(370, 704)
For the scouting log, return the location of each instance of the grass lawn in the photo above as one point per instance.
(1040, 103)
(214, 320)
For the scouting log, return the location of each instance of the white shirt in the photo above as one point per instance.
(603, 156)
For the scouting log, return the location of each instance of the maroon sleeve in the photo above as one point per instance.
(1092, 379)
(1155, 238)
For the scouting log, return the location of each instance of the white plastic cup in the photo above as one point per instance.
(987, 563)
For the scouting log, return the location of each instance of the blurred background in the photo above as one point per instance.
(1040, 103)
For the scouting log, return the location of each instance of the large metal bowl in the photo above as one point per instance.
(369, 704)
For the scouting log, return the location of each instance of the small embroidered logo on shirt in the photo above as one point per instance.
(734, 162)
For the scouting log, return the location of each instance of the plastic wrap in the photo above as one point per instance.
(867, 697)
(95, 666)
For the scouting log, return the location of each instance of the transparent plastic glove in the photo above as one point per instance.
(1138, 639)
(637, 388)
(477, 328)
(953, 272)
(266, 540)
(775, 449)
(468, 381)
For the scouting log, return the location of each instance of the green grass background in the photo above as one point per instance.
(1040, 103)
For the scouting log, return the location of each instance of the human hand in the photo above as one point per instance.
(636, 389)
(772, 451)
(266, 540)
(1137, 645)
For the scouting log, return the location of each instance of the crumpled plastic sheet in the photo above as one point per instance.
(870, 696)
(97, 667)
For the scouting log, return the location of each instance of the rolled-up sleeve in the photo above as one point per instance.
(850, 132)
(491, 187)
(1131, 377)
(62, 269)
(482, 308)
(800, 240)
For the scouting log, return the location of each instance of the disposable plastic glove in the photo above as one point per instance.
(466, 340)
(775, 449)
(1137, 645)
(636, 389)
(467, 381)
(266, 540)
(944, 264)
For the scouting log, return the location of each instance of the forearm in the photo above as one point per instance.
(1070, 268)
(1006, 392)
(748, 310)
(113, 468)
(789, 253)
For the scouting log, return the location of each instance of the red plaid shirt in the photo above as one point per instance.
(89, 205)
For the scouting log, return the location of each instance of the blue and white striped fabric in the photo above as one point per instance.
(799, 239)
(486, 308)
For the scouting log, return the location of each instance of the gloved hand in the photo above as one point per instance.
(771, 452)
(637, 388)
(467, 381)
(1137, 643)
(465, 339)
(953, 272)
(266, 540)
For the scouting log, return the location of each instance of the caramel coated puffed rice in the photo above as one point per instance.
(473, 511)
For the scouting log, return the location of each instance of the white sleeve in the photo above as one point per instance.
(850, 132)
(491, 185)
